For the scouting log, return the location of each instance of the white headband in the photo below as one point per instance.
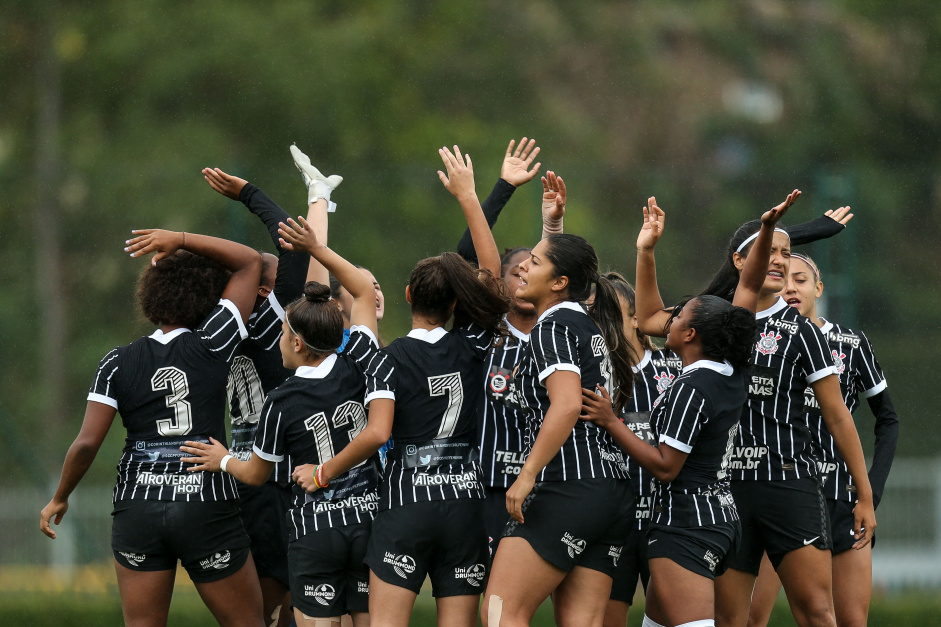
(753, 236)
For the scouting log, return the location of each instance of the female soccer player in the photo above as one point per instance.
(310, 417)
(424, 390)
(170, 387)
(653, 374)
(694, 524)
(860, 377)
(571, 501)
(773, 474)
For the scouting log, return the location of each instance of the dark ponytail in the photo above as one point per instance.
(726, 332)
(626, 292)
(316, 320)
(439, 283)
(573, 257)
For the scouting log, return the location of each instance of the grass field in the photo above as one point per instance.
(41, 597)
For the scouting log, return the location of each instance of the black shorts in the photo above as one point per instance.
(264, 514)
(208, 538)
(702, 550)
(631, 566)
(842, 523)
(577, 523)
(495, 517)
(779, 517)
(328, 577)
(445, 540)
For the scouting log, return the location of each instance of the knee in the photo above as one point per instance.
(815, 613)
(857, 617)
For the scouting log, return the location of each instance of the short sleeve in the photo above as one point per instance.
(380, 377)
(102, 388)
(269, 435)
(816, 361)
(869, 372)
(477, 338)
(554, 347)
(264, 328)
(223, 329)
(361, 345)
(683, 418)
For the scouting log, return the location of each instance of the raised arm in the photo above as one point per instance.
(459, 180)
(651, 317)
(755, 268)
(243, 262)
(827, 225)
(514, 172)
(292, 266)
(553, 204)
(300, 236)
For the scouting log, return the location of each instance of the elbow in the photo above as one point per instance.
(665, 475)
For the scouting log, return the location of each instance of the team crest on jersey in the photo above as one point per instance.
(502, 387)
(664, 379)
(838, 358)
(768, 344)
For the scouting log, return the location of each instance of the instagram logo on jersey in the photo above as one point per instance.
(768, 344)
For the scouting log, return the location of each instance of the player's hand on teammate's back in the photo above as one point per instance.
(597, 407)
(226, 184)
(516, 164)
(460, 177)
(298, 236)
(304, 476)
(208, 457)
(163, 243)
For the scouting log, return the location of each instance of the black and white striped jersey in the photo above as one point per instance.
(699, 415)
(860, 376)
(774, 442)
(169, 388)
(434, 377)
(312, 416)
(566, 338)
(652, 376)
(503, 417)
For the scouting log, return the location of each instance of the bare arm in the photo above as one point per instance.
(840, 424)
(459, 180)
(95, 426)
(651, 317)
(242, 261)
(565, 404)
(208, 457)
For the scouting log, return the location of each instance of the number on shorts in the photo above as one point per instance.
(449, 384)
(245, 383)
(175, 382)
(349, 413)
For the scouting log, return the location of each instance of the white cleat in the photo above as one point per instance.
(318, 185)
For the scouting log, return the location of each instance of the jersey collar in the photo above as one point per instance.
(166, 338)
(319, 371)
(425, 335)
(773, 309)
(827, 325)
(725, 368)
(643, 362)
(565, 304)
(522, 337)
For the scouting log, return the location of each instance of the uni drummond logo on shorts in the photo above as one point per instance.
(712, 560)
(323, 594)
(134, 559)
(217, 561)
(362, 586)
(574, 545)
(614, 552)
(474, 574)
(403, 565)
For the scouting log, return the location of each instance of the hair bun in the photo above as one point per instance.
(315, 292)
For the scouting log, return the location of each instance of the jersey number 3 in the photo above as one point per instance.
(174, 381)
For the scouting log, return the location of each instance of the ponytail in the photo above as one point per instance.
(438, 284)
(606, 312)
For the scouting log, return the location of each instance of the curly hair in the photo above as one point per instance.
(181, 290)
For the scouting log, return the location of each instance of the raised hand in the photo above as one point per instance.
(841, 215)
(515, 169)
(553, 196)
(226, 184)
(460, 177)
(652, 229)
(774, 214)
(163, 243)
(298, 235)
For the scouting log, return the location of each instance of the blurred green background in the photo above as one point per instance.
(719, 108)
